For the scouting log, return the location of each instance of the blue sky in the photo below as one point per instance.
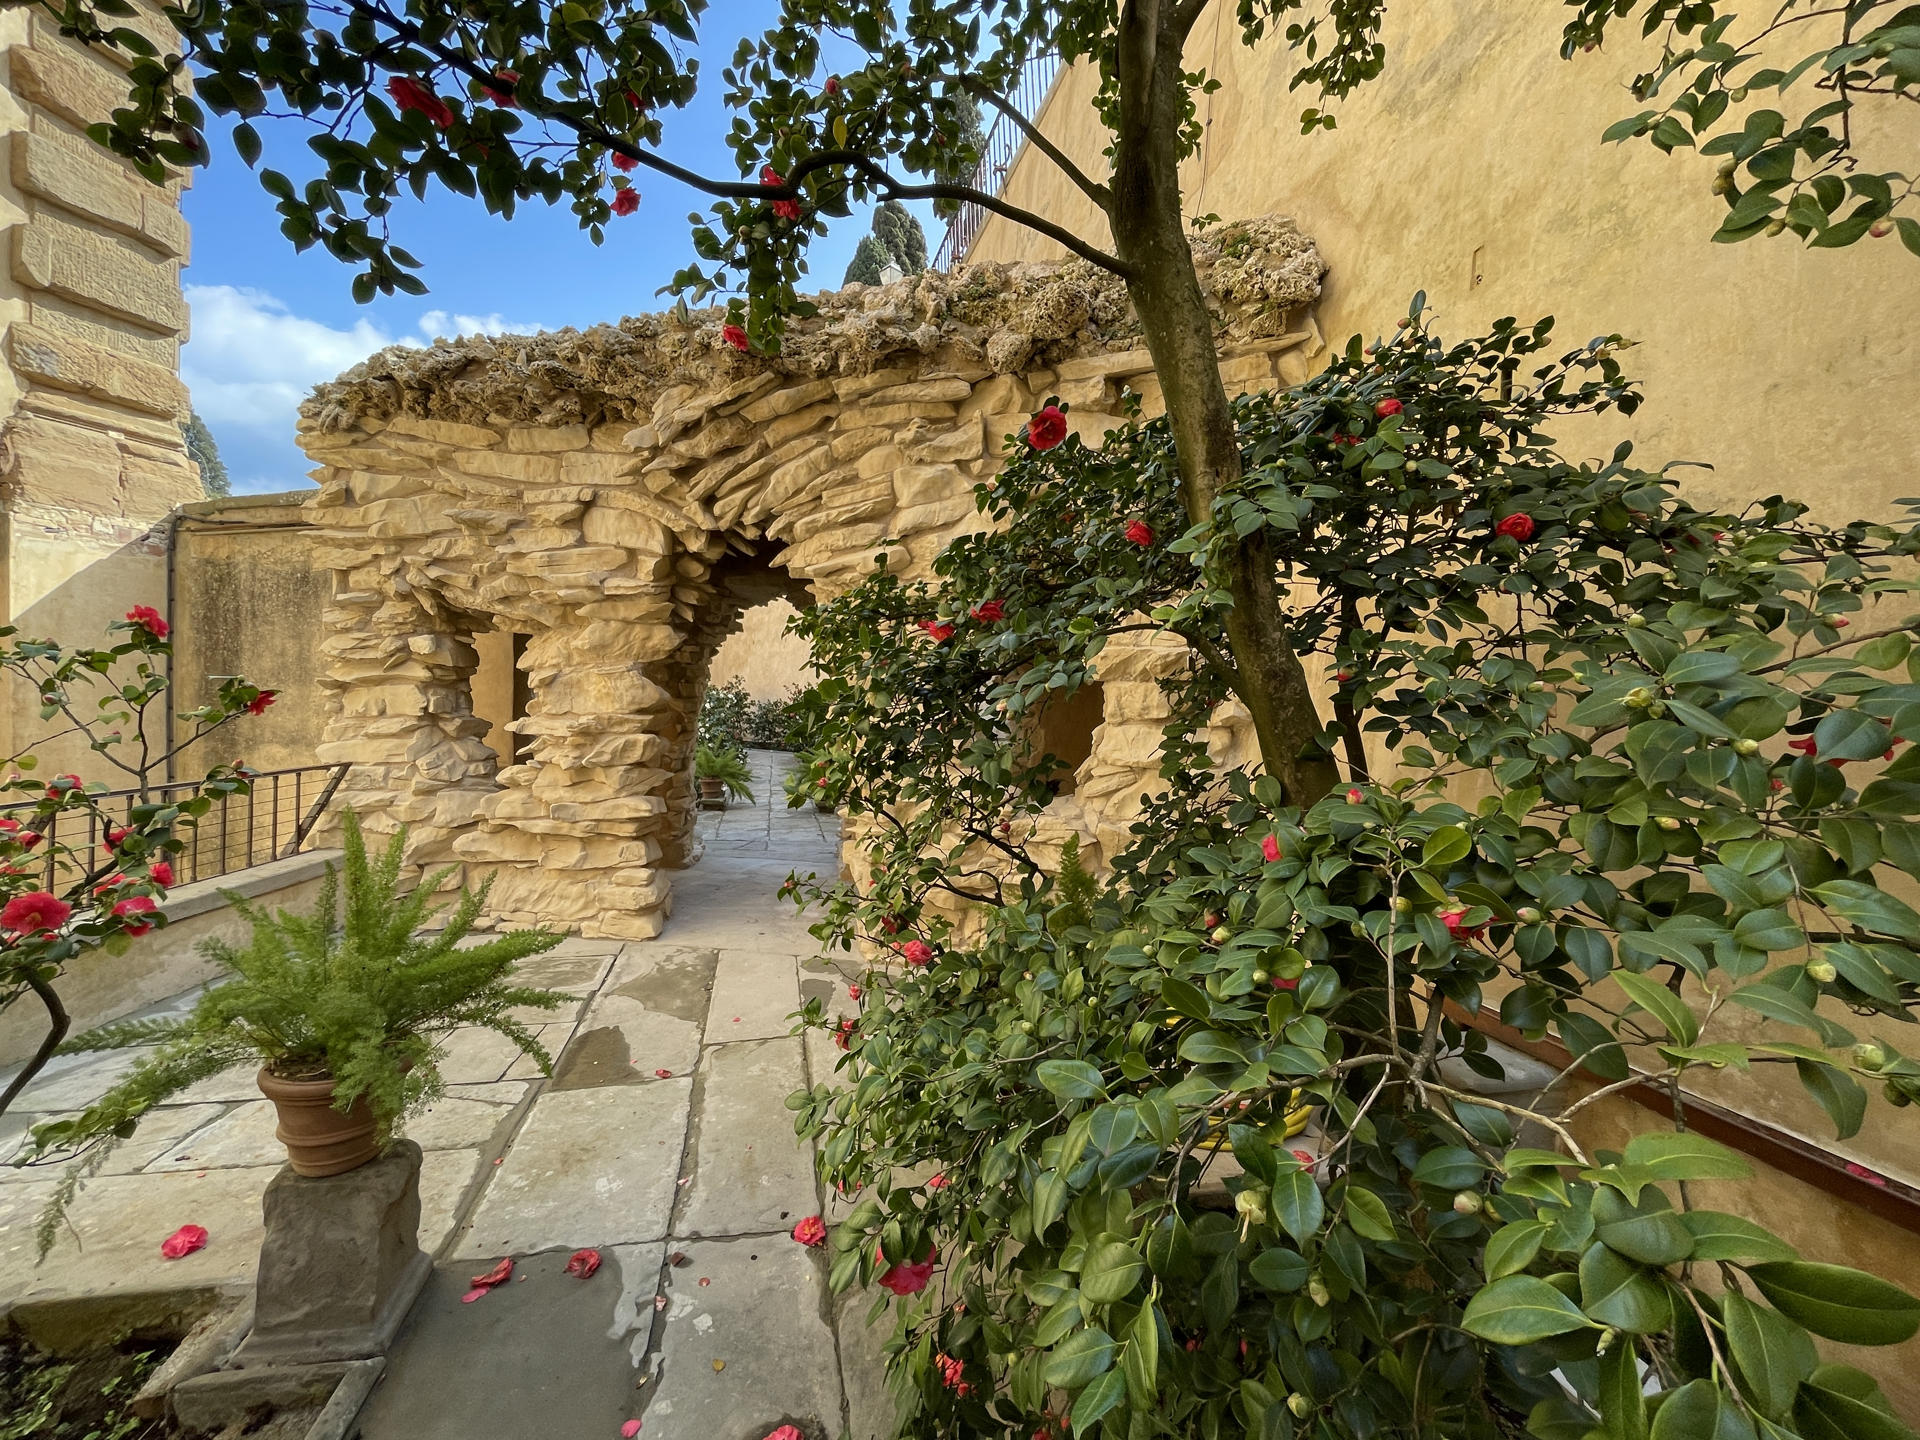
(269, 324)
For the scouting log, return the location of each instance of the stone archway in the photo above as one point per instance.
(610, 492)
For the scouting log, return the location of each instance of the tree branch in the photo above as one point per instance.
(58, 1023)
(1091, 188)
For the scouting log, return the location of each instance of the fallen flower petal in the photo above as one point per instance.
(630, 1429)
(183, 1242)
(785, 1432)
(475, 1294)
(583, 1263)
(811, 1232)
(663, 1074)
(499, 1275)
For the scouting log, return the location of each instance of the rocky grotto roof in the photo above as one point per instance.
(998, 318)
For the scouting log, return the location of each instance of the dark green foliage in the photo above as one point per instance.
(202, 450)
(77, 1397)
(896, 238)
(1643, 754)
(711, 762)
(869, 258)
(358, 989)
(732, 718)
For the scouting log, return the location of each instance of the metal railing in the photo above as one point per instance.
(997, 154)
(275, 820)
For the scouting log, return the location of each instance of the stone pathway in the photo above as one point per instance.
(705, 1319)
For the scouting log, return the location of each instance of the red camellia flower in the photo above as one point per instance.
(1280, 983)
(1453, 919)
(502, 94)
(1306, 1158)
(625, 163)
(989, 611)
(950, 1372)
(1805, 745)
(115, 834)
(811, 1232)
(161, 873)
(1519, 525)
(785, 209)
(625, 202)
(917, 952)
(148, 619)
(1048, 428)
(38, 910)
(939, 629)
(1388, 407)
(582, 1263)
(62, 784)
(29, 838)
(939, 1182)
(1354, 797)
(258, 705)
(734, 336)
(136, 905)
(905, 1279)
(1139, 532)
(1270, 847)
(854, 992)
(409, 94)
(833, 84)
(843, 1034)
(183, 1242)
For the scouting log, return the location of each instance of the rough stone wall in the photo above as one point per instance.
(622, 495)
(90, 397)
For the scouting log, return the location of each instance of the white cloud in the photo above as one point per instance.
(251, 360)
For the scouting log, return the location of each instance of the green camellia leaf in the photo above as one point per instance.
(1616, 1292)
(1699, 1410)
(1773, 1354)
(1675, 1155)
(1451, 1167)
(1520, 1310)
(1367, 1213)
(1839, 1303)
(1718, 1236)
(1140, 1361)
(1079, 1358)
(1661, 1003)
(1870, 908)
(1511, 1248)
(1839, 1403)
(1279, 1269)
(1297, 1204)
(1097, 1399)
(1070, 1079)
(1111, 1272)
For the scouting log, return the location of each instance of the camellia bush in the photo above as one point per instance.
(1640, 788)
(80, 867)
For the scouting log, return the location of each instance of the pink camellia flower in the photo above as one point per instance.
(1306, 1158)
(502, 93)
(811, 1232)
(148, 619)
(161, 873)
(833, 84)
(1048, 428)
(625, 202)
(1139, 532)
(630, 1429)
(843, 1034)
(939, 1182)
(1454, 920)
(409, 94)
(62, 784)
(1270, 848)
(135, 905)
(786, 1432)
(183, 1242)
(735, 336)
(1519, 525)
(905, 1279)
(854, 992)
(582, 1263)
(1354, 795)
(1388, 407)
(35, 911)
(29, 838)
(785, 209)
(625, 163)
(917, 952)
(258, 705)
(115, 835)
(989, 611)
(940, 630)
(1281, 983)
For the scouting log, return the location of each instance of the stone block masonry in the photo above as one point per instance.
(620, 496)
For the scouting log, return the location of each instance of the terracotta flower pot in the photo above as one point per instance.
(713, 792)
(320, 1140)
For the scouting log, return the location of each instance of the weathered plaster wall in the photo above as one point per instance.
(90, 398)
(762, 656)
(623, 496)
(247, 601)
(1472, 168)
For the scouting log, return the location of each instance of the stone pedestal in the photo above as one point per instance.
(340, 1265)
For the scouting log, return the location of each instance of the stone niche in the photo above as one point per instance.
(619, 496)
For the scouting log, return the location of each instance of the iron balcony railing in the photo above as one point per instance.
(274, 821)
(997, 154)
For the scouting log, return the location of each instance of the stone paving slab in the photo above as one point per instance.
(872, 1411)
(160, 1130)
(80, 1082)
(748, 1175)
(589, 1167)
(647, 1018)
(754, 997)
(746, 1346)
(545, 1345)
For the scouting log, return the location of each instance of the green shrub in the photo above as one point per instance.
(1646, 799)
(728, 766)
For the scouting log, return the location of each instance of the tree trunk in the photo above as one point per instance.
(1149, 234)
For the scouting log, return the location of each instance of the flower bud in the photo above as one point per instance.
(1529, 915)
(1220, 935)
(1822, 972)
(1260, 977)
(1467, 1202)
(1317, 1292)
(1639, 697)
(1668, 822)
(1300, 1405)
(1402, 905)
(1746, 747)
(1636, 621)
(1251, 1206)
(1869, 1056)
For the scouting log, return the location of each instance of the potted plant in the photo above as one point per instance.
(343, 1008)
(721, 772)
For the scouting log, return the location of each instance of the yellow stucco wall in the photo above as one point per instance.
(1472, 168)
(762, 655)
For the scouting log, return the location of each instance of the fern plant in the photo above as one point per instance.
(715, 762)
(358, 989)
